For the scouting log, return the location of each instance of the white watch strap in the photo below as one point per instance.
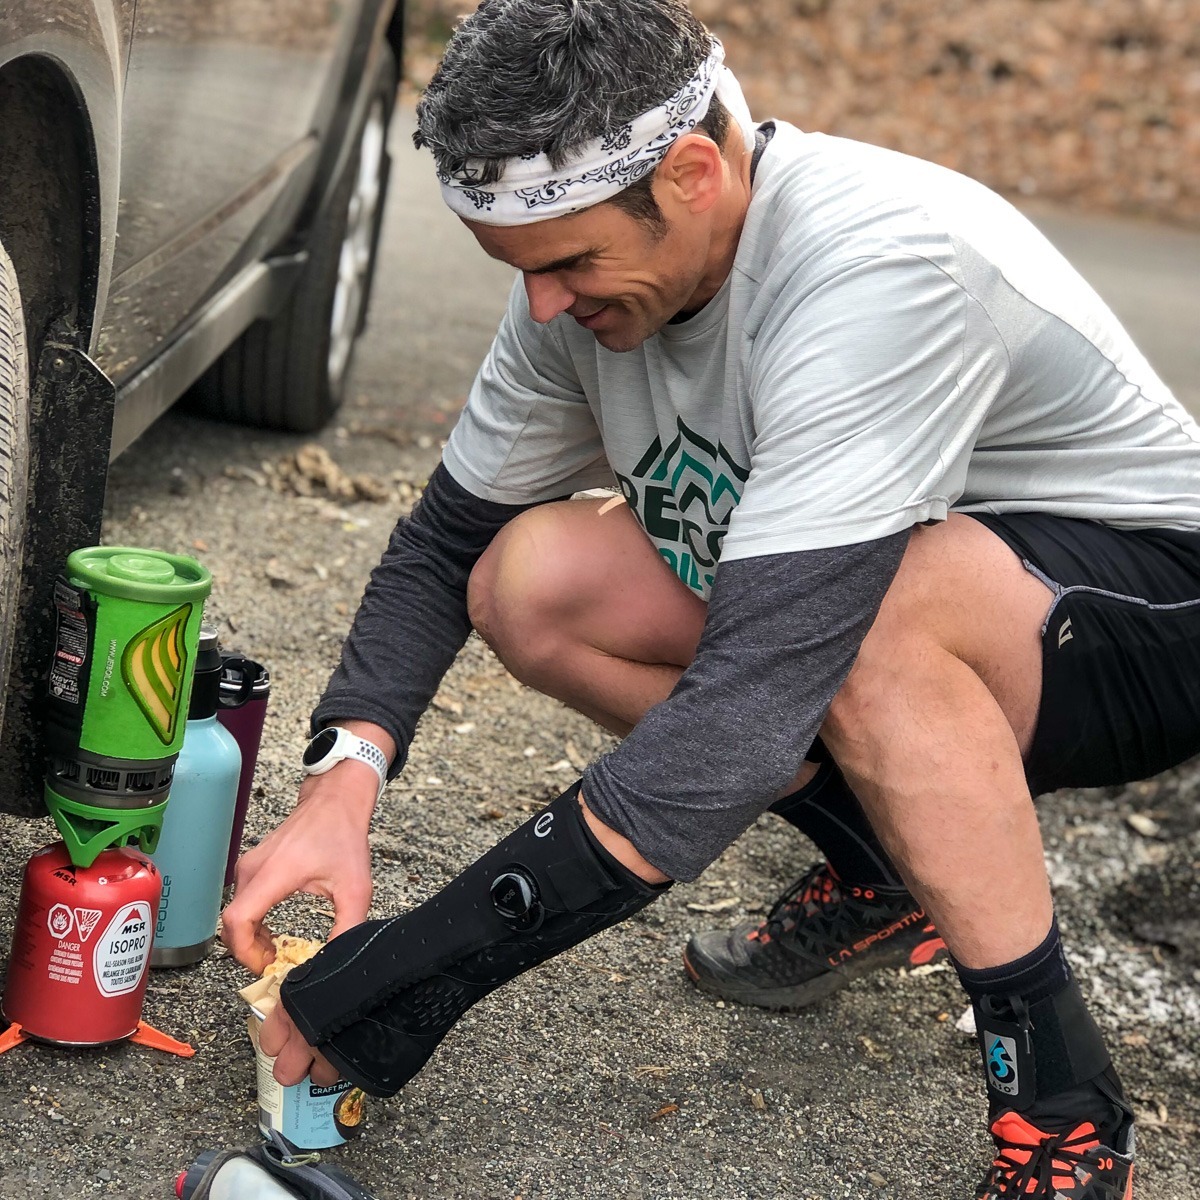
(350, 745)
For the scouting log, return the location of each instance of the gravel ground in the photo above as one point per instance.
(602, 1074)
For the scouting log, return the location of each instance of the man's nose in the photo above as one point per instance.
(547, 297)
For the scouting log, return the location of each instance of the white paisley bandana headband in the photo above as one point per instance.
(532, 189)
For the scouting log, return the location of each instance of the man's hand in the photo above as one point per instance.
(294, 1057)
(322, 848)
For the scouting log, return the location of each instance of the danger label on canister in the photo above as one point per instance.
(60, 920)
(66, 963)
(85, 921)
(122, 954)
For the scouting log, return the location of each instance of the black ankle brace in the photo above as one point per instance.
(378, 999)
(1032, 1051)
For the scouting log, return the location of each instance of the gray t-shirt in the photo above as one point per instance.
(894, 341)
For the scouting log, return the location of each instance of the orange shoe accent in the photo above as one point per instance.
(1021, 1139)
(687, 966)
(147, 1035)
(821, 890)
(13, 1036)
(926, 951)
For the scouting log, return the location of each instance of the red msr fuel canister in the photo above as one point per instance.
(80, 957)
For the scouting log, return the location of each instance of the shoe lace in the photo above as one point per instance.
(1039, 1171)
(818, 910)
(816, 889)
(816, 892)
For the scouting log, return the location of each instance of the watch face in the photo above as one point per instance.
(319, 747)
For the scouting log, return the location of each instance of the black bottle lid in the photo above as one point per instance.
(243, 680)
(206, 685)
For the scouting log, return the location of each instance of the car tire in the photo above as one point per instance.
(14, 459)
(290, 373)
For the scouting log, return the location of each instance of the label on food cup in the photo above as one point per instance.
(306, 1115)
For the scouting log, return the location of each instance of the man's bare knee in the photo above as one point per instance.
(524, 588)
(581, 574)
(961, 598)
(871, 706)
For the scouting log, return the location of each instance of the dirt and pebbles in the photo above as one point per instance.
(601, 1075)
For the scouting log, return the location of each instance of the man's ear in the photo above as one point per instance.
(692, 174)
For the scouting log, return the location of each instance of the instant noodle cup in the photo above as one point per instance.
(305, 1115)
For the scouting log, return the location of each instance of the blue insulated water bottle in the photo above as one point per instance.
(196, 826)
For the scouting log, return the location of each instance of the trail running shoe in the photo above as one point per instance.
(820, 934)
(1071, 1164)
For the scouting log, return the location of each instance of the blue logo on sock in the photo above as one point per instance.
(998, 1060)
(1001, 1060)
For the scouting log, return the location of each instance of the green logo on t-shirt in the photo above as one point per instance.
(683, 496)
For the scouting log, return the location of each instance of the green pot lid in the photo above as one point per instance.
(132, 574)
(140, 568)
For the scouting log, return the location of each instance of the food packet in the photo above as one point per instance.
(263, 994)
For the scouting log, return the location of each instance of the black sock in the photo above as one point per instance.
(1034, 976)
(1036, 997)
(828, 812)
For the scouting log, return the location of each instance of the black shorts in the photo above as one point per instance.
(1120, 648)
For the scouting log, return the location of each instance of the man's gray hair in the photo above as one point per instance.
(526, 77)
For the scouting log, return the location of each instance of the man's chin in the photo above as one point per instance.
(622, 341)
(617, 343)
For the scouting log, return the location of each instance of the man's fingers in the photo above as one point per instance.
(276, 1028)
(323, 1073)
(293, 1060)
(294, 1057)
(245, 933)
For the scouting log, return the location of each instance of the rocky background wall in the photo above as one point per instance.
(1089, 103)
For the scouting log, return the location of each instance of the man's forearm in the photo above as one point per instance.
(781, 634)
(620, 847)
(352, 785)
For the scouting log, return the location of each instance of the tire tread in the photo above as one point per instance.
(14, 457)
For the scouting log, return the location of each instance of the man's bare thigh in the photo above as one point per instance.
(962, 588)
(959, 585)
(589, 561)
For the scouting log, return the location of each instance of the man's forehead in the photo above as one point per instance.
(544, 246)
